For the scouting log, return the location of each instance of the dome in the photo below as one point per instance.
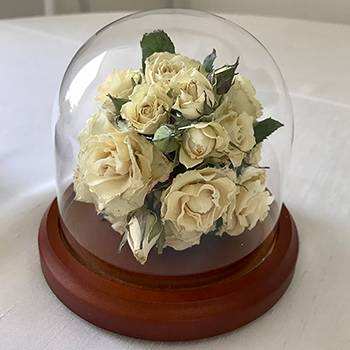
(89, 236)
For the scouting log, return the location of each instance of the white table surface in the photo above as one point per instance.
(315, 311)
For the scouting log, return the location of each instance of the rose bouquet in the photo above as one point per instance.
(173, 153)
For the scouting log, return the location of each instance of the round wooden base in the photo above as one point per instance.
(169, 313)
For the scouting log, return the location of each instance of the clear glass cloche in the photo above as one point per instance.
(92, 237)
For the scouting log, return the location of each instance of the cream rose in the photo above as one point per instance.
(253, 200)
(194, 202)
(191, 89)
(162, 66)
(240, 130)
(200, 141)
(119, 84)
(117, 170)
(182, 241)
(149, 107)
(101, 122)
(242, 96)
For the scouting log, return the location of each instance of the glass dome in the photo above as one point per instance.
(90, 238)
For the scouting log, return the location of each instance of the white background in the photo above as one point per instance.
(336, 11)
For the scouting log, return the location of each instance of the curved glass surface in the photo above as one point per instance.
(117, 46)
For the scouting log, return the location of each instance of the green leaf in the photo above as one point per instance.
(214, 162)
(207, 110)
(118, 102)
(177, 119)
(222, 78)
(156, 229)
(156, 41)
(176, 160)
(133, 83)
(166, 138)
(208, 62)
(170, 93)
(265, 128)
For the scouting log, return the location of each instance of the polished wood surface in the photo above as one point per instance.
(179, 311)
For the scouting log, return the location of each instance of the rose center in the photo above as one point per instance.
(199, 144)
(146, 113)
(202, 199)
(165, 70)
(114, 161)
(166, 67)
(102, 169)
(192, 89)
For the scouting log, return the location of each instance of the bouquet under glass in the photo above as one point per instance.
(173, 153)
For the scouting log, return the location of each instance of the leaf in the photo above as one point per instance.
(122, 124)
(178, 119)
(208, 62)
(156, 229)
(103, 216)
(118, 102)
(183, 124)
(265, 128)
(142, 219)
(122, 242)
(218, 224)
(166, 139)
(177, 115)
(213, 162)
(133, 83)
(176, 160)
(207, 110)
(240, 168)
(156, 41)
(222, 78)
(170, 93)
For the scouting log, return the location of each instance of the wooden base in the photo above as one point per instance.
(172, 313)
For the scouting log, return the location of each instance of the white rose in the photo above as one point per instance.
(200, 141)
(149, 107)
(194, 202)
(162, 66)
(118, 84)
(182, 241)
(242, 96)
(102, 122)
(253, 200)
(240, 130)
(191, 89)
(117, 170)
